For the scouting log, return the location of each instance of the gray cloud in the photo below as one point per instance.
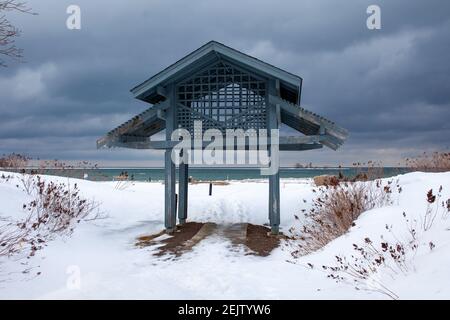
(390, 87)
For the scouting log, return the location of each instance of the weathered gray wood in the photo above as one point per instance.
(274, 179)
(183, 186)
(169, 193)
(169, 175)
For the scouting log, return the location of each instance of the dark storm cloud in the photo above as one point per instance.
(390, 87)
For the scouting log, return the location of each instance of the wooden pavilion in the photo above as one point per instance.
(224, 89)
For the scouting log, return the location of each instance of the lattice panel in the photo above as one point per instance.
(222, 97)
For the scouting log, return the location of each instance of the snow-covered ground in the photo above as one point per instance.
(109, 266)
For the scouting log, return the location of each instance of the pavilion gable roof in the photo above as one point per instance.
(148, 90)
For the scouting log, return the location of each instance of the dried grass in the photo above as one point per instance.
(430, 162)
(334, 211)
(14, 162)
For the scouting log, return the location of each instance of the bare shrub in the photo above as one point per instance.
(362, 268)
(57, 207)
(335, 209)
(430, 162)
(55, 211)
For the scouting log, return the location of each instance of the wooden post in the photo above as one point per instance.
(169, 175)
(169, 186)
(210, 188)
(176, 201)
(274, 205)
(274, 180)
(183, 191)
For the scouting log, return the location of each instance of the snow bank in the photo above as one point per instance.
(109, 266)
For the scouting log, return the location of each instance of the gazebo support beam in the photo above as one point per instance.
(169, 175)
(169, 193)
(273, 120)
(183, 184)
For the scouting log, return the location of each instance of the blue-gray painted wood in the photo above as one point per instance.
(183, 186)
(274, 180)
(169, 176)
(169, 193)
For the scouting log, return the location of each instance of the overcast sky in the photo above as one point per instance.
(390, 88)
